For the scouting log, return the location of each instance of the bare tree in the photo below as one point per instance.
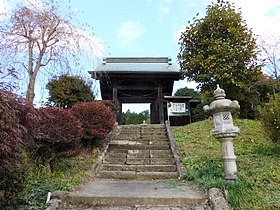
(271, 52)
(41, 38)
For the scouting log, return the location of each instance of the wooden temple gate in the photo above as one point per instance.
(137, 80)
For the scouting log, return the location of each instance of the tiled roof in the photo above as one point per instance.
(137, 64)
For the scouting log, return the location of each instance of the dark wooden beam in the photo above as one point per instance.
(160, 104)
(129, 87)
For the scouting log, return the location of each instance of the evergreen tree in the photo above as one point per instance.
(68, 90)
(220, 49)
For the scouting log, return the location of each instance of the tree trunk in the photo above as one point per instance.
(48, 166)
(30, 94)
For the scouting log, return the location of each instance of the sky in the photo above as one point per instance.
(131, 28)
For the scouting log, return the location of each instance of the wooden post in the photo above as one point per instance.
(154, 110)
(160, 104)
(118, 115)
(115, 93)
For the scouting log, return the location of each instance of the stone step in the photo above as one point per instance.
(151, 161)
(138, 142)
(138, 168)
(143, 126)
(140, 207)
(138, 161)
(139, 154)
(137, 175)
(139, 132)
(139, 146)
(149, 154)
(116, 194)
(114, 149)
(143, 137)
(142, 130)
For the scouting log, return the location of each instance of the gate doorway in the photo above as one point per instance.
(136, 113)
(137, 80)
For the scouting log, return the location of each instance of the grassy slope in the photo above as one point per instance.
(67, 174)
(258, 162)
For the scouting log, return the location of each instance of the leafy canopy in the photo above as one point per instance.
(68, 90)
(220, 49)
(130, 118)
(188, 92)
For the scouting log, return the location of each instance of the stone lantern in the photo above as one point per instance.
(224, 130)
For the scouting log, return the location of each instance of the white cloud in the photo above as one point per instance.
(262, 16)
(129, 31)
(164, 10)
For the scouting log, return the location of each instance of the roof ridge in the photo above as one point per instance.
(137, 60)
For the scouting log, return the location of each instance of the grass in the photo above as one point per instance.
(67, 174)
(258, 162)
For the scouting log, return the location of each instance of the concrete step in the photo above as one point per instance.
(139, 141)
(115, 194)
(141, 130)
(149, 154)
(138, 168)
(131, 137)
(137, 160)
(143, 152)
(123, 150)
(151, 161)
(139, 146)
(137, 175)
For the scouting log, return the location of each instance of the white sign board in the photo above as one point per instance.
(178, 107)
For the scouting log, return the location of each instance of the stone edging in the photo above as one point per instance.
(216, 200)
(100, 157)
(180, 167)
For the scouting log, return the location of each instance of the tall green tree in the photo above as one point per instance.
(188, 92)
(220, 49)
(69, 90)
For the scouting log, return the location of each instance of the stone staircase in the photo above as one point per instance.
(140, 152)
(138, 170)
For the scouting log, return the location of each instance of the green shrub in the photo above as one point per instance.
(66, 91)
(270, 117)
(12, 185)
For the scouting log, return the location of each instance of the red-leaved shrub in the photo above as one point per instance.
(109, 105)
(97, 120)
(11, 132)
(56, 133)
